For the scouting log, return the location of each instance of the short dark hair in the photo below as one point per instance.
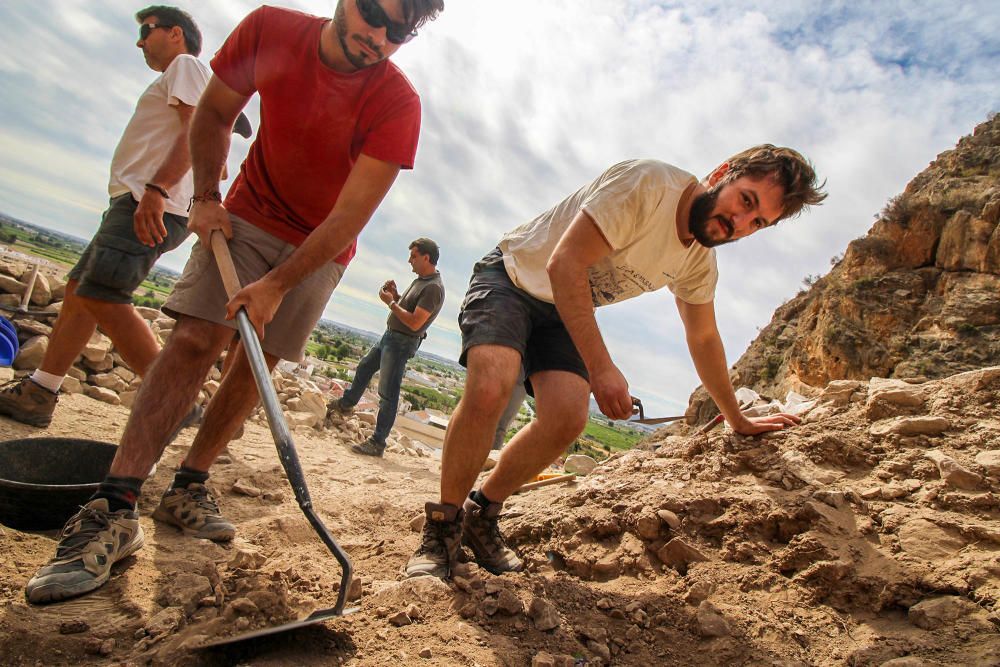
(787, 168)
(427, 247)
(419, 12)
(175, 17)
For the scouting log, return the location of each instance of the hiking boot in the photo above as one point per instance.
(195, 512)
(28, 402)
(369, 448)
(337, 409)
(91, 542)
(439, 543)
(481, 533)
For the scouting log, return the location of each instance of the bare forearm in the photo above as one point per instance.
(709, 358)
(323, 244)
(176, 164)
(571, 291)
(413, 321)
(209, 146)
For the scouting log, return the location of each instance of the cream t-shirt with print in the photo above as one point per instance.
(634, 204)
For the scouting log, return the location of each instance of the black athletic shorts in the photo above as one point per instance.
(497, 312)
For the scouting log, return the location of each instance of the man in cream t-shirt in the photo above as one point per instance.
(150, 185)
(640, 226)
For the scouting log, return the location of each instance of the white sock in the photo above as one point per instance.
(48, 380)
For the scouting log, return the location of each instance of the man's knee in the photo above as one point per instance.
(194, 338)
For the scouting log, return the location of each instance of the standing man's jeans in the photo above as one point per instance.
(388, 358)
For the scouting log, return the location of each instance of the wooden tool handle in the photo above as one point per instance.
(220, 248)
(29, 287)
(562, 479)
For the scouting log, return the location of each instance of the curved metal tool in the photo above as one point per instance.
(643, 419)
(286, 453)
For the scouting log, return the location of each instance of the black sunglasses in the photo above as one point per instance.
(146, 28)
(375, 16)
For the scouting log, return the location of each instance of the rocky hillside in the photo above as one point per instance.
(918, 296)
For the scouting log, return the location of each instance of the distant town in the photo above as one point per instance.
(432, 386)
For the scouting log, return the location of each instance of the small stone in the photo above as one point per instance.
(400, 619)
(426, 653)
(374, 479)
(911, 426)
(935, 612)
(648, 526)
(417, 522)
(543, 614)
(543, 659)
(246, 488)
(699, 592)
(366, 418)
(953, 473)
(678, 554)
(414, 612)
(579, 464)
(355, 589)
(490, 607)
(244, 606)
(710, 622)
(600, 649)
(990, 460)
(101, 394)
(246, 559)
(872, 493)
(509, 603)
(604, 603)
(669, 518)
(73, 627)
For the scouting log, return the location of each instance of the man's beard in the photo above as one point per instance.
(698, 219)
(340, 22)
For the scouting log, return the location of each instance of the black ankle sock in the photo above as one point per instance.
(185, 476)
(120, 492)
(480, 499)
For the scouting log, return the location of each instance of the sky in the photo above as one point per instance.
(525, 101)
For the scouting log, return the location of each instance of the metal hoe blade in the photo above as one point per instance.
(286, 454)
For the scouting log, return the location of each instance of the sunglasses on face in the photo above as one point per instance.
(375, 16)
(147, 28)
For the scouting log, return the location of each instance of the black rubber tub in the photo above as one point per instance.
(43, 481)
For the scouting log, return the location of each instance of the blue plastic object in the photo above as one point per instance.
(7, 351)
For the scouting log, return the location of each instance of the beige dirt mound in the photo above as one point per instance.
(866, 536)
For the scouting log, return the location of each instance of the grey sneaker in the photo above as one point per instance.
(481, 533)
(369, 448)
(439, 544)
(336, 409)
(193, 509)
(28, 402)
(91, 542)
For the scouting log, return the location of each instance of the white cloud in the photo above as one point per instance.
(524, 101)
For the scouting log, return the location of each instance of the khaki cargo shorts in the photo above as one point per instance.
(200, 292)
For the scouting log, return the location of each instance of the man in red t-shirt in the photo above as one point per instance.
(338, 122)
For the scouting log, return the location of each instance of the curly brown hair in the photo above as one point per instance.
(787, 168)
(419, 12)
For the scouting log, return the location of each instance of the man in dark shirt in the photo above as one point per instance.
(409, 317)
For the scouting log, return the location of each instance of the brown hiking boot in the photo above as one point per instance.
(481, 533)
(90, 543)
(369, 448)
(439, 544)
(28, 402)
(194, 511)
(336, 412)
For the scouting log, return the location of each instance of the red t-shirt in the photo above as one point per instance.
(314, 122)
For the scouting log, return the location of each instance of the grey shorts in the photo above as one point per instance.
(115, 263)
(200, 292)
(497, 312)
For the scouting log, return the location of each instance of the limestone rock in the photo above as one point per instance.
(108, 381)
(935, 612)
(306, 419)
(102, 394)
(911, 426)
(990, 460)
(953, 473)
(839, 392)
(669, 518)
(71, 385)
(925, 539)
(149, 314)
(710, 622)
(509, 603)
(543, 613)
(31, 354)
(417, 522)
(246, 488)
(678, 554)
(579, 464)
(366, 418)
(97, 348)
(41, 293)
(888, 398)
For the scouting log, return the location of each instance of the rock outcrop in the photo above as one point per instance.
(918, 296)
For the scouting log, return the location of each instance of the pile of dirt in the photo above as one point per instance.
(866, 536)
